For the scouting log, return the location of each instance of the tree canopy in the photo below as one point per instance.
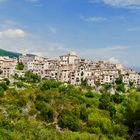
(35, 108)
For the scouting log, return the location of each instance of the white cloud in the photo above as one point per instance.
(132, 4)
(104, 53)
(49, 49)
(34, 1)
(12, 33)
(123, 3)
(96, 19)
(93, 19)
(52, 29)
(39, 53)
(57, 47)
(9, 24)
(114, 60)
(2, 1)
(116, 48)
(127, 55)
(133, 29)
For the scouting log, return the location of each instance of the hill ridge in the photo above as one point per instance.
(9, 53)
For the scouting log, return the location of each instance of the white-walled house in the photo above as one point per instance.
(68, 59)
(7, 66)
(69, 69)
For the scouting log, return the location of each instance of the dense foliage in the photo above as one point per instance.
(20, 66)
(35, 109)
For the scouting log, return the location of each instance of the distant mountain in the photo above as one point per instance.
(11, 54)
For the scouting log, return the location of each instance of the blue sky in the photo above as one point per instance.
(94, 29)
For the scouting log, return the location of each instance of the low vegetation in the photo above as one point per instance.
(32, 108)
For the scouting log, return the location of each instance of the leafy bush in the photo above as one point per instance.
(67, 119)
(4, 86)
(120, 88)
(46, 111)
(7, 81)
(89, 94)
(43, 109)
(48, 84)
(1, 91)
(31, 77)
(20, 66)
(119, 80)
(117, 98)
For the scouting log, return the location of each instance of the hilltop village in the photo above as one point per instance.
(69, 69)
(68, 99)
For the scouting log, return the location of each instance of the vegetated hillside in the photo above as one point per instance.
(12, 54)
(8, 53)
(35, 109)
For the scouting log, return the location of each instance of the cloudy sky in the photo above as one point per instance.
(94, 29)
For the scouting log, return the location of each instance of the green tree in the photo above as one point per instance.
(1, 91)
(133, 115)
(83, 82)
(15, 76)
(105, 101)
(49, 84)
(19, 84)
(83, 113)
(107, 87)
(20, 66)
(67, 119)
(7, 81)
(119, 80)
(117, 98)
(31, 77)
(131, 84)
(89, 94)
(120, 88)
(97, 83)
(4, 86)
(46, 111)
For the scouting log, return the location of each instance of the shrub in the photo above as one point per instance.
(1, 91)
(4, 86)
(67, 119)
(89, 94)
(20, 66)
(46, 111)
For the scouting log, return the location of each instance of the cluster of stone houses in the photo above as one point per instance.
(7, 66)
(69, 68)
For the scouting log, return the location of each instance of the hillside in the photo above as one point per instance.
(41, 109)
(8, 53)
(11, 54)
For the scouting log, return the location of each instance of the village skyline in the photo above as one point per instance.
(68, 68)
(96, 29)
